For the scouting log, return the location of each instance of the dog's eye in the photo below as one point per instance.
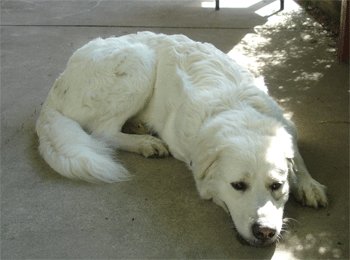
(240, 185)
(275, 186)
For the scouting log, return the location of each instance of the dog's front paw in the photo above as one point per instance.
(153, 147)
(310, 193)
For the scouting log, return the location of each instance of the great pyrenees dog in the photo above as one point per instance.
(156, 95)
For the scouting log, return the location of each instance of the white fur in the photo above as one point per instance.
(206, 110)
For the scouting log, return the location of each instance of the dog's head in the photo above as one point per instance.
(248, 177)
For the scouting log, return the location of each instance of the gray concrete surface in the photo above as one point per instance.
(159, 214)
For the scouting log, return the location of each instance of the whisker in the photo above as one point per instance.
(279, 238)
(287, 224)
(287, 220)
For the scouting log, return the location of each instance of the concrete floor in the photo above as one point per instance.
(159, 214)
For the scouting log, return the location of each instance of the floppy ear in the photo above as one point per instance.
(285, 140)
(203, 170)
(292, 170)
(288, 143)
(280, 147)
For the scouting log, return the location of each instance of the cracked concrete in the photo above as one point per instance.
(159, 213)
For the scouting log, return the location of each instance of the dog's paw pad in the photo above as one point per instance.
(153, 147)
(311, 193)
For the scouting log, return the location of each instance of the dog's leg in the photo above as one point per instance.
(146, 145)
(109, 131)
(304, 188)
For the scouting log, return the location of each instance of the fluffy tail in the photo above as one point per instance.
(70, 151)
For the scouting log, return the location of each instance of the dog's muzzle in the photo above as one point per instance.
(263, 234)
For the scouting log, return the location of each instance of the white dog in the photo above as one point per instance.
(206, 111)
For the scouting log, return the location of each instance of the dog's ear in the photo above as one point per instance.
(203, 170)
(285, 140)
(292, 170)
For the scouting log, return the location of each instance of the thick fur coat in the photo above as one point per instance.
(200, 106)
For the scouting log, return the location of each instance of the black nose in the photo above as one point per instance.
(263, 233)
